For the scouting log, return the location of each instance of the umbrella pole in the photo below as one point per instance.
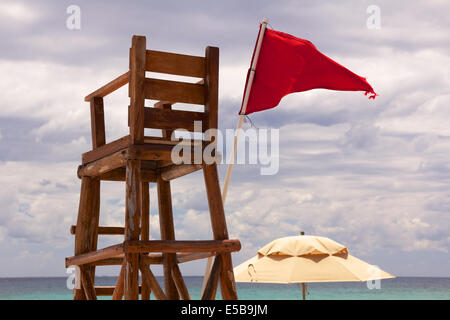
(304, 291)
(302, 233)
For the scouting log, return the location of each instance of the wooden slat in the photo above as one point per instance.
(172, 63)
(183, 246)
(97, 122)
(181, 257)
(163, 152)
(109, 87)
(157, 89)
(152, 258)
(106, 149)
(187, 257)
(160, 140)
(176, 171)
(117, 261)
(108, 252)
(120, 173)
(166, 141)
(150, 152)
(168, 104)
(171, 119)
(103, 230)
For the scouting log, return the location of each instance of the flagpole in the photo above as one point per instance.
(244, 108)
(238, 131)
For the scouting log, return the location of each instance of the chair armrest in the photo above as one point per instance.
(110, 87)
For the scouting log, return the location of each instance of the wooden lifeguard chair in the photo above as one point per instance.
(139, 160)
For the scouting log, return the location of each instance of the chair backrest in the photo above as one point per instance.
(161, 116)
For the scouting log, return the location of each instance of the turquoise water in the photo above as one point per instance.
(398, 288)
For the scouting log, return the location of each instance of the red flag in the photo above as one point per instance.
(287, 64)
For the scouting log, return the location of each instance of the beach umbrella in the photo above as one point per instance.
(305, 259)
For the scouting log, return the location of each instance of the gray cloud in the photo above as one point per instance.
(373, 175)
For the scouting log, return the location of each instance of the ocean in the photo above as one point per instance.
(403, 288)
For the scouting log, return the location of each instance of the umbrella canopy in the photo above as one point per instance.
(302, 259)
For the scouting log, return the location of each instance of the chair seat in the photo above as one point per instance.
(160, 146)
(108, 161)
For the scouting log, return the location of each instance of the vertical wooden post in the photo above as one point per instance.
(137, 88)
(145, 232)
(132, 229)
(212, 87)
(87, 223)
(220, 231)
(97, 122)
(167, 233)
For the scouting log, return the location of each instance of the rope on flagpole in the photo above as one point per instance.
(238, 132)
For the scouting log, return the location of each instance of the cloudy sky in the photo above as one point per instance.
(371, 174)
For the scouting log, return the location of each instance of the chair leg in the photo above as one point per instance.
(151, 281)
(94, 223)
(220, 231)
(87, 223)
(132, 227)
(167, 233)
(179, 282)
(88, 283)
(145, 234)
(213, 280)
(119, 288)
